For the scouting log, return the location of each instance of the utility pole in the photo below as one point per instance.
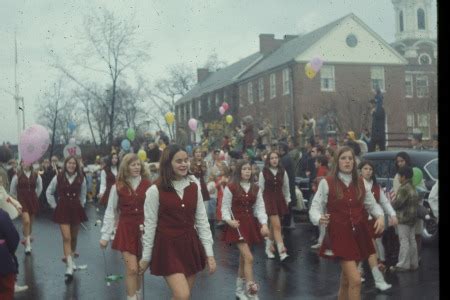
(18, 99)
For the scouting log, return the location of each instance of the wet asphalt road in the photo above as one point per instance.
(302, 276)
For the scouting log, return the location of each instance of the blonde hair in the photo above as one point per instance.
(124, 172)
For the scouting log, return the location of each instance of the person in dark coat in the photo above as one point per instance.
(378, 125)
(288, 165)
(9, 241)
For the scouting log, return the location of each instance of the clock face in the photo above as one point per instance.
(424, 59)
(351, 40)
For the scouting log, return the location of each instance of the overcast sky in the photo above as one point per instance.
(181, 31)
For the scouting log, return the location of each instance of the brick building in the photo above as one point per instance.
(272, 83)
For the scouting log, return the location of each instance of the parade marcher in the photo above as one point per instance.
(9, 241)
(26, 186)
(406, 203)
(126, 208)
(344, 198)
(70, 188)
(177, 242)
(108, 177)
(288, 165)
(198, 168)
(274, 186)
(322, 171)
(242, 209)
(221, 182)
(367, 172)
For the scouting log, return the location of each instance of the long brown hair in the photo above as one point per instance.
(355, 177)
(267, 162)
(77, 169)
(124, 172)
(166, 173)
(236, 176)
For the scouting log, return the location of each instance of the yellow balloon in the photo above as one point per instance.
(309, 71)
(229, 119)
(142, 155)
(170, 118)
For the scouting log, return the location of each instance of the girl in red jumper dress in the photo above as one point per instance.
(198, 168)
(70, 187)
(26, 187)
(345, 198)
(108, 177)
(274, 185)
(242, 208)
(177, 241)
(126, 204)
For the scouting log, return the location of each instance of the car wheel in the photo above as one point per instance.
(430, 231)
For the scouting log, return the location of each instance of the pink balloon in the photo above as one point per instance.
(316, 63)
(225, 106)
(33, 143)
(192, 124)
(221, 110)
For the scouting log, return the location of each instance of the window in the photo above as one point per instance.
(424, 59)
(377, 78)
(185, 110)
(250, 93)
(327, 78)
(420, 19)
(418, 123)
(286, 86)
(209, 103)
(217, 100)
(273, 86)
(422, 86)
(241, 96)
(192, 109)
(408, 85)
(199, 103)
(261, 89)
(401, 21)
(423, 124)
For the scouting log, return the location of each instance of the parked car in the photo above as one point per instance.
(427, 162)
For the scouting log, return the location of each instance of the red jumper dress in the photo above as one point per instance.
(376, 190)
(131, 215)
(242, 207)
(110, 180)
(198, 172)
(177, 247)
(348, 230)
(68, 207)
(26, 193)
(274, 199)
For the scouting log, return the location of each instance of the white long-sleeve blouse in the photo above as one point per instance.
(285, 188)
(51, 189)
(384, 202)
(103, 179)
(112, 213)
(14, 181)
(151, 208)
(320, 200)
(259, 209)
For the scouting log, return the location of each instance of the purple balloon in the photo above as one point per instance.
(316, 63)
(33, 143)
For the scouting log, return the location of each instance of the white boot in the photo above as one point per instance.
(240, 288)
(69, 268)
(282, 251)
(28, 245)
(380, 283)
(269, 252)
(132, 297)
(361, 272)
(20, 288)
(139, 294)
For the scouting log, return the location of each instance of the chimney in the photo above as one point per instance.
(268, 43)
(289, 37)
(202, 74)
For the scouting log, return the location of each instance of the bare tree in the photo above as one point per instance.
(213, 63)
(111, 49)
(55, 112)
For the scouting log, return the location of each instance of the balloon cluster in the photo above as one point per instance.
(126, 143)
(33, 143)
(223, 108)
(313, 67)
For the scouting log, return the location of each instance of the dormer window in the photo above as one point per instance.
(420, 19)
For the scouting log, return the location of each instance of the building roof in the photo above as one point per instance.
(289, 50)
(221, 78)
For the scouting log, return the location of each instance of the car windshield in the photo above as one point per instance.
(432, 168)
